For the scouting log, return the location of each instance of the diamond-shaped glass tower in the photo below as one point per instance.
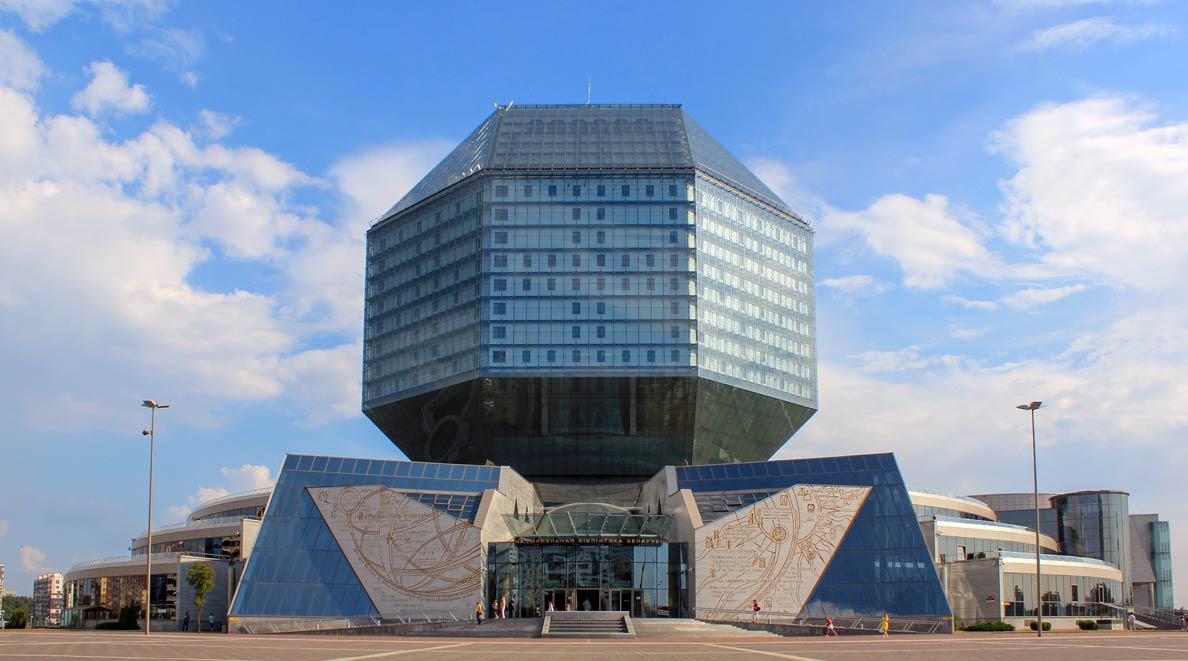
(589, 290)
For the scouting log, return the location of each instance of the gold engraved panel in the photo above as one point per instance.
(408, 556)
(775, 550)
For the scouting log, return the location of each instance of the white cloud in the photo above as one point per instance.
(33, 560)
(924, 237)
(1082, 34)
(173, 48)
(782, 180)
(217, 125)
(189, 78)
(970, 304)
(854, 284)
(244, 478)
(3, 527)
(109, 90)
(1099, 193)
(1028, 298)
(20, 68)
(961, 333)
(38, 14)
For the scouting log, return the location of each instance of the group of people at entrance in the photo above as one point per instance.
(884, 625)
(499, 609)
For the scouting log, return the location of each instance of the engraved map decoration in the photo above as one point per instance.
(775, 550)
(408, 556)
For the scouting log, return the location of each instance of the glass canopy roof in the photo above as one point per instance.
(589, 137)
(587, 525)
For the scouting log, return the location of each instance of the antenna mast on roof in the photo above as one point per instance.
(587, 91)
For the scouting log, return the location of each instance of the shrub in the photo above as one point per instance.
(989, 626)
(1087, 625)
(1047, 625)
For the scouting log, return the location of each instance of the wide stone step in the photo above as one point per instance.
(611, 624)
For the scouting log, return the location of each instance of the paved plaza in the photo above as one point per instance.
(111, 646)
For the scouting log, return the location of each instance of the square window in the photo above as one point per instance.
(575, 332)
(527, 260)
(601, 332)
(576, 356)
(673, 284)
(672, 190)
(674, 331)
(500, 261)
(626, 355)
(674, 308)
(672, 236)
(626, 191)
(577, 191)
(501, 214)
(551, 356)
(672, 213)
(499, 332)
(501, 191)
(576, 213)
(576, 307)
(575, 284)
(499, 307)
(600, 284)
(601, 307)
(600, 260)
(552, 191)
(552, 284)
(601, 237)
(601, 213)
(576, 260)
(651, 355)
(527, 191)
(552, 260)
(498, 356)
(651, 284)
(500, 238)
(672, 260)
(626, 284)
(525, 356)
(577, 237)
(500, 284)
(625, 260)
(526, 285)
(650, 191)
(650, 260)
(601, 356)
(602, 191)
(675, 356)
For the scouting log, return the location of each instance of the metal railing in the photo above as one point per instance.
(898, 624)
(204, 523)
(258, 625)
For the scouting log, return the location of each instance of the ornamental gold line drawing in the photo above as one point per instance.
(403, 551)
(775, 550)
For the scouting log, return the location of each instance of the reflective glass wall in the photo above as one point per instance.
(1096, 524)
(1063, 595)
(647, 580)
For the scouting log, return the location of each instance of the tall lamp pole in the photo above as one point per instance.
(151, 432)
(1039, 611)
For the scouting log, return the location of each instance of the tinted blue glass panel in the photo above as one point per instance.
(298, 569)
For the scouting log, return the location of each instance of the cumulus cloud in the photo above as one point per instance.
(20, 68)
(1079, 35)
(38, 14)
(109, 90)
(1098, 192)
(216, 125)
(173, 48)
(3, 527)
(969, 303)
(33, 560)
(925, 238)
(244, 478)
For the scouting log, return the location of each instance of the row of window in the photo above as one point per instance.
(675, 331)
(499, 308)
(500, 356)
(552, 190)
(542, 239)
(502, 260)
(582, 284)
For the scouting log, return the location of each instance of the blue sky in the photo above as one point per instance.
(997, 190)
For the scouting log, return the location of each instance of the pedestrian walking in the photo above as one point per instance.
(829, 630)
(212, 622)
(478, 612)
(755, 611)
(511, 605)
(1130, 619)
(495, 609)
(885, 625)
(186, 622)
(503, 607)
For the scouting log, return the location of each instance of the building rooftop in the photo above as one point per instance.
(590, 137)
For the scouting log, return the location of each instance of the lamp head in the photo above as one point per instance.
(150, 404)
(1029, 407)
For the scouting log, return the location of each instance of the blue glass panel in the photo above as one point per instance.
(290, 464)
(334, 465)
(304, 463)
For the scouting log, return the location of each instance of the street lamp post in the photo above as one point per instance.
(1039, 611)
(151, 432)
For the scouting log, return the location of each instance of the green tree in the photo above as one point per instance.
(201, 578)
(17, 620)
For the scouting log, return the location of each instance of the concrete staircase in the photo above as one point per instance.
(587, 624)
(679, 628)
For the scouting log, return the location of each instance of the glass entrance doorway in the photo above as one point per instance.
(646, 580)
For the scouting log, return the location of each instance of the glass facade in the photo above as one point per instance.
(645, 579)
(1161, 563)
(929, 511)
(87, 597)
(1096, 524)
(882, 565)
(589, 290)
(298, 569)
